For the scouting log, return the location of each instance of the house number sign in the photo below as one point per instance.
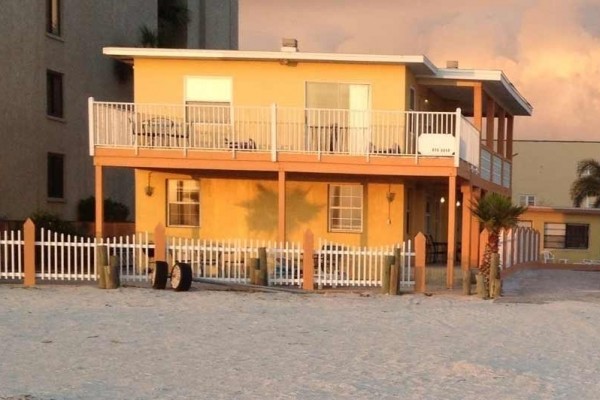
(436, 144)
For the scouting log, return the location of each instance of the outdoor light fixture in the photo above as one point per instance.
(458, 203)
(442, 200)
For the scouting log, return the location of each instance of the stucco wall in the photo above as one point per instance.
(247, 208)
(263, 83)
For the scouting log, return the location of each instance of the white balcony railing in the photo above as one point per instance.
(276, 130)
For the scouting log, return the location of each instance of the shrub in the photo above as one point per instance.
(113, 210)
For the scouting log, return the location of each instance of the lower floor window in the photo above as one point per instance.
(345, 208)
(55, 176)
(183, 205)
(566, 236)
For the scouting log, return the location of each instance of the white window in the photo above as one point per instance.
(527, 200)
(209, 99)
(183, 203)
(345, 208)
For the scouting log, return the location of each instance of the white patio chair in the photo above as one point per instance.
(549, 258)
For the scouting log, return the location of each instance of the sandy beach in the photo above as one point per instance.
(79, 342)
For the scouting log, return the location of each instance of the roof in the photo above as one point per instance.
(564, 210)
(495, 81)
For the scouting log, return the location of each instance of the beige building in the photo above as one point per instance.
(542, 178)
(51, 63)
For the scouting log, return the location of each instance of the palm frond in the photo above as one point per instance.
(496, 212)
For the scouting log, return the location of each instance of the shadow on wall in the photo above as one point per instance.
(262, 210)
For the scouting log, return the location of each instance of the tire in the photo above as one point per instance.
(160, 274)
(181, 277)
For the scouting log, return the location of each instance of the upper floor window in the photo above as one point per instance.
(55, 176)
(54, 94)
(345, 208)
(183, 200)
(209, 99)
(527, 200)
(53, 17)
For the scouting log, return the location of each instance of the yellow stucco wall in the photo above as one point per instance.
(538, 218)
(259, 83)
(247, 208)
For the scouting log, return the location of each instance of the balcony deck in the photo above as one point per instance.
(275, 138)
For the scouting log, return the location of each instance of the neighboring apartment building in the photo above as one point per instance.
(361, 149)
(51, 62)
(543, 174)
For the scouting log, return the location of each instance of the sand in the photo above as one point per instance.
(80, 342)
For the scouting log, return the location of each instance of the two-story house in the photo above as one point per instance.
(361, 149)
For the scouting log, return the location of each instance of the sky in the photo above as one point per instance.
(549, 49)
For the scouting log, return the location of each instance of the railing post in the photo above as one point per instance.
(457, 138)
(92, 136)
(29, 252)
(308, 261)
(273, 132)
(420, 257)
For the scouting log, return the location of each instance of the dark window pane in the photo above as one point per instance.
(53, 17)
(577, 236)
(55, 177)
(54, 94)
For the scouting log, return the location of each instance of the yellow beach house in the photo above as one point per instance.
(360, 149)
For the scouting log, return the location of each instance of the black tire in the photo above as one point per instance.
(160, 274)
(181, 277)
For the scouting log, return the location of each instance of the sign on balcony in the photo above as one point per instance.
(436, 144)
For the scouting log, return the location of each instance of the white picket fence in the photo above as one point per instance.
(11, 255)
(340, 265)
(67, 257)
(518, 245)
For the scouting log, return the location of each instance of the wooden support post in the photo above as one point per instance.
(451, 232)
(420, 254)
(112, 273)
(101, 261)
(263, 277)
(501, 131)
(490, 112)
(160, 243)
(481, 292)
(308, 262)
(281, 207)
(385, 278)
(465, 250)
(509, 136)
(99, 195)
(395, 272)
(478, 106)
(29, 253)
(475, 230)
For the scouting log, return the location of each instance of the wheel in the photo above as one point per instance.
(160, 273)
(181, 277)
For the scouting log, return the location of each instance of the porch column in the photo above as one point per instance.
(451, 231)
(465, 241)
(477, 106)
(281, 207)
(99, 194)
(474, 242)
(490, 110)
(509, 136)
(501, 131)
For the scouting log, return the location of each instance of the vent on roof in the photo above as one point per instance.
(290, 45)
(452, 64)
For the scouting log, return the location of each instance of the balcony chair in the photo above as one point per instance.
(549, 258)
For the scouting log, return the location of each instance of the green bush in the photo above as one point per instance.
(52, 222)
(113, 210)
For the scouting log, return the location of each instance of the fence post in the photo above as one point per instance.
(101, 261)
(308, 262)
(29, 252)
(263, 278)
(395, 272)
(385, 278)
(420, 253)
(160, 243)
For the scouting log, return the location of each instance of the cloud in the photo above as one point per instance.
(550, 49)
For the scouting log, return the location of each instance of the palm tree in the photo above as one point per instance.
(587, 182)
(495, 212)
